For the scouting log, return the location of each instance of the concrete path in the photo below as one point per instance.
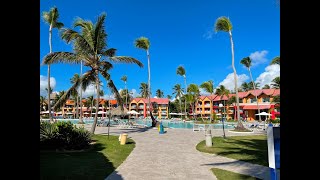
(173, 156)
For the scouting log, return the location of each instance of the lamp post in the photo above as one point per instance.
(221, 106)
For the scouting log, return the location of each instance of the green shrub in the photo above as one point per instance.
(275, 121)
(63, 135)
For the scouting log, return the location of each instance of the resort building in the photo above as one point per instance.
(219, 106)
(159, 107)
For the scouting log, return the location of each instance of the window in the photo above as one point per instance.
(266, 99)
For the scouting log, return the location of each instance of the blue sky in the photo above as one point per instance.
(180, 33)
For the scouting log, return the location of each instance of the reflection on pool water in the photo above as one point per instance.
(166, 123)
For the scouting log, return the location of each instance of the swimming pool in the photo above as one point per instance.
(148, 123)
(184, 125)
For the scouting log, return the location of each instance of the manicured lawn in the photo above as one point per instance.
(228, 175)
(252, 149)
(104, 157)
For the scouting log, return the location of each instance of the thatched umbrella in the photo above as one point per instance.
(117, 111)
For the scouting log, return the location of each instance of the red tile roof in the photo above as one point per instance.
(157, 100)
(276, 92)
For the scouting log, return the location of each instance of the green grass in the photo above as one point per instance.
(97, 163)
(252, 149)
(228, 175)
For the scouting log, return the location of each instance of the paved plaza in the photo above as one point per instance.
(173, 155)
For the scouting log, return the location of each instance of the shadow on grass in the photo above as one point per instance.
(89, 165)
(128, 130)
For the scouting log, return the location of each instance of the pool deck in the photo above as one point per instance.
(173, 155)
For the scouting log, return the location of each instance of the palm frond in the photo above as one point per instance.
(62, 100)
(110, 52)
(116, 93)
(58, 25)
(64, 57)
(246, 62)
(223, 24)
(181, 71)
(87, 79)
(105, 66)
(207, 86)
(100, 34)
(126, 59)
(46, 17)
(81, 43)
(124, 78)
(142, 43)
(275, 60)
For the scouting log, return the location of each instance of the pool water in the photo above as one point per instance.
(165, 123)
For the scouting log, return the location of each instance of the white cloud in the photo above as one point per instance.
(228, 82)
(258, 57)
(270, 73)
(134, 93)
(44, 84)
(203, 92)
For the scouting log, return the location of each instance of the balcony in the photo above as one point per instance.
(134, 107)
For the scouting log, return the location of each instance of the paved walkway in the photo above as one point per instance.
(173, 156)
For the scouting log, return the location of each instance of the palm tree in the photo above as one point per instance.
(251, 84)
(266, 86)
(275, 60)
(90, 47)
(124, 79)
(178, 91)
(224, 24)
(42, 102)
(144, 90)
(247, 63)
(276, 83)
(222, 91)
(144, 43)
(208, 87)
(169, 97)
(193, 94)
(245, 86)
(182, 72)
(90, 100)
(51, 17)
(159, 93)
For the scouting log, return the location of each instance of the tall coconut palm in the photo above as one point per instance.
(222, 91)
(90, 47)
(124, 79)
(169, 97)
(144, 43)
(51, 17)
(275, 60)
(178, 91)
(245, 86)
(159, 93)
(276, 82)
(266, 86)
(224, 24)
(247, 63)
(182, 72)
(144, 90)
(193, 94)
(208, 87)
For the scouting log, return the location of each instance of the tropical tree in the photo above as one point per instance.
(192, 96)
(222, 91)
(208, 87)
(182, 72)
(42, 102)
(144, 43)
(224, 24)
(90, 47)
(251, 84)
(275, 60)
(247, 63)
(124, 79)
(125, 95)
(159, 93)
(169, 97)
(51, 17)
(245, 86)
(178, 91)
(276, 99)
(144, 90)
(276, 83)
(266, 86)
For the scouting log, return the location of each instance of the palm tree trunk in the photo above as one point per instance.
(254, 88)
(185, 101)
(50, 46)
(180, 107)
(240, 125)
(93, 128)
(149, 85)
(211, 106)
(81, 113)
(125, 86)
